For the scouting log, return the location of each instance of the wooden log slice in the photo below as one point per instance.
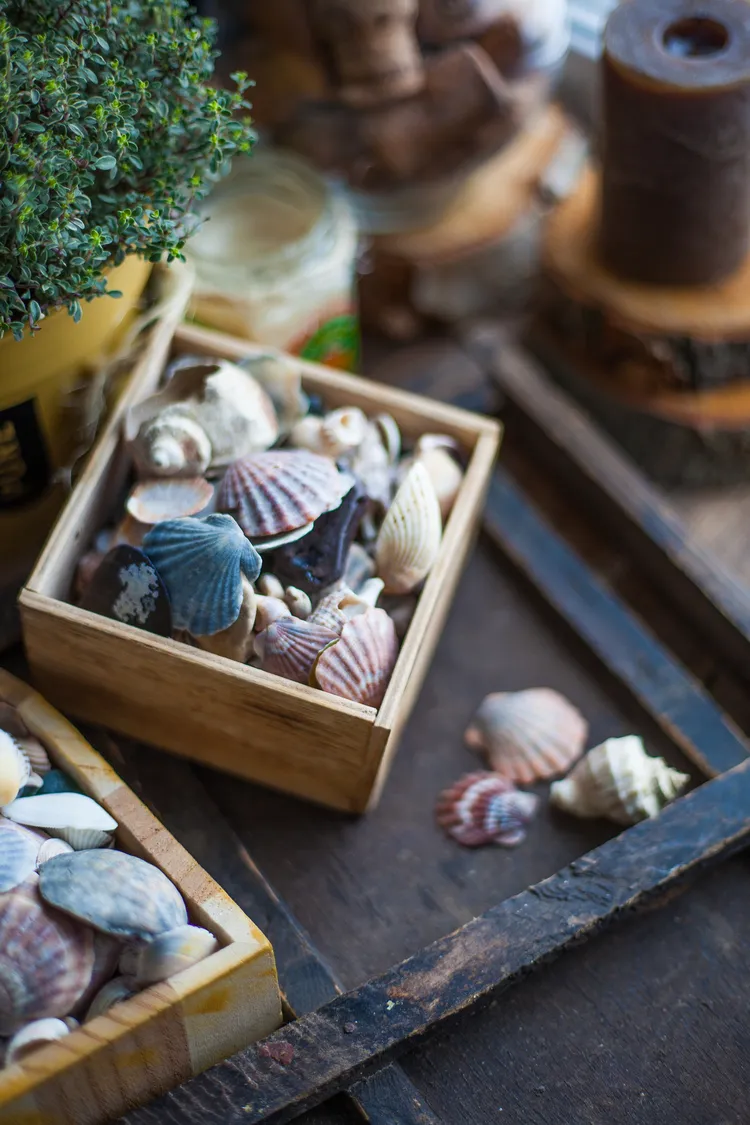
(648, 338)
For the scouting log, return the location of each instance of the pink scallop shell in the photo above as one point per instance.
(279, 491)
(528, 736)
(360, 664)
(289, 647)
(484, 808)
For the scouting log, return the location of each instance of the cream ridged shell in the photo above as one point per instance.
(72, 817)
(289, 647)
(360, 664)
(409, 540)
(618, 780)
(528, 736)
(167, 954)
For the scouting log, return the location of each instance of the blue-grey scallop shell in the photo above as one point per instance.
(18, 852)
(116, 893)
(201, 562)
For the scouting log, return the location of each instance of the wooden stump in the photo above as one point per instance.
(665, 369)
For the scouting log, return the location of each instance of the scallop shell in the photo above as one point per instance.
(202, 562)
(299, 602)
(35, 753)
(11, 721)
(72, 817)
(52, 848)
(280, 491)
(360, 664)
(484, 808)
(289, 647)
(127, 588)
(18, 856)
(528, 736)
(236, 642)
(14, 769)
(335, 609)
(153, 501)
(409, 540)
(113, 992)
(171, 445)
(618, 780)
(114, 892)
(268, 611)
(45, 959)
(445, 474)
(167, 954)
(34, 1035)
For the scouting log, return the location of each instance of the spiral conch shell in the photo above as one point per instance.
(618, 780)
(528, 736)
(336, 435)
(409, 540)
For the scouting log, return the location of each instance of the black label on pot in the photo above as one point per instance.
(24, 463)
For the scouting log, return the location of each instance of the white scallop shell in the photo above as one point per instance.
(409, 540)
(18, 855)
(72, 817)
(169, 953)
(36, 754)
(52, 848)
(618, 780)
(445, 474)
(34, 1035)
(15, 769)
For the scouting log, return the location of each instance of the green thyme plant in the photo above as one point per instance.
(109, 135)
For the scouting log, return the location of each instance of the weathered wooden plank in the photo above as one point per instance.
(632, 509)
(313, 1058)
(673, 698)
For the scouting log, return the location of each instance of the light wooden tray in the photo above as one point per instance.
(171, 1031)
(214, 710)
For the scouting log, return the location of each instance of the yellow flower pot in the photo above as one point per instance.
(37, 425)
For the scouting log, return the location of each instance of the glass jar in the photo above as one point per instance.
(275, 260)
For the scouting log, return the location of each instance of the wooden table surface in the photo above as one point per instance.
(648, 1024)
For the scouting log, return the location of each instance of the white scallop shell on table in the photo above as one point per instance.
(33, 1036)
(528, 736)
(169, 953)
(360, 664)
(409, 539)
(72, 817)
(619, 781)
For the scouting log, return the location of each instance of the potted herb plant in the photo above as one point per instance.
(109, 136)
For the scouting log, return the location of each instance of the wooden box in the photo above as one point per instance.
(215, 711)
(171, 1031)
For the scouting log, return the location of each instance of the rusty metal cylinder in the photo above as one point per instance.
(675, 206)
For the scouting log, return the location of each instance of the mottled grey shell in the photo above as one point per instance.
(201, 562)
(46, 959)
(116, 893)
(18, 852)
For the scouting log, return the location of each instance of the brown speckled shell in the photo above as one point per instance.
(360, 664)
(483, 808)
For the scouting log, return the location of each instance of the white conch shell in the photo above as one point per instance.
(72, 817)
(336, 435)
(167, 954)
(15, 769)
(173, 444)
(619, 781)
(33, 1035)
(409, 540)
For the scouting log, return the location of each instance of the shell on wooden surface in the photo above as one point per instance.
(528, 736)
(50, 848)
(15, 769)
(619, 781)
(18, 856)
(169, 953)
(34, 1035)
(360, 664)
(45, 959)
(280, 491)
(236, 642)
(409, 540)
(72, 817)
(114, 892)
(35, 753)
(202, 562)
(153, 501)
(173, 444)
(289, 647)
(484, 808)
(268, 611)
(113, 992)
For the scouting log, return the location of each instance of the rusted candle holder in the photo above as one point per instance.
(644, 306)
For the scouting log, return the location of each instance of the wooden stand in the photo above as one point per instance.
(660, 367)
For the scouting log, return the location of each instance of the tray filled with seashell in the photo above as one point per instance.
(114, 944)
(256, 564)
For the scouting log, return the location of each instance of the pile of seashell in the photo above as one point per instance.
(534, 735)
(82, 925)
(264, 529)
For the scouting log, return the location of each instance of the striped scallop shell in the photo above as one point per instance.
(409, 539)
(201, 562)
(114, 892)
(360, 664)
(528, 736)
(46, 959)
(37, 756)
(483, 808)
(289, 647)
(279, 491)
(18, 855)
(14, 768)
